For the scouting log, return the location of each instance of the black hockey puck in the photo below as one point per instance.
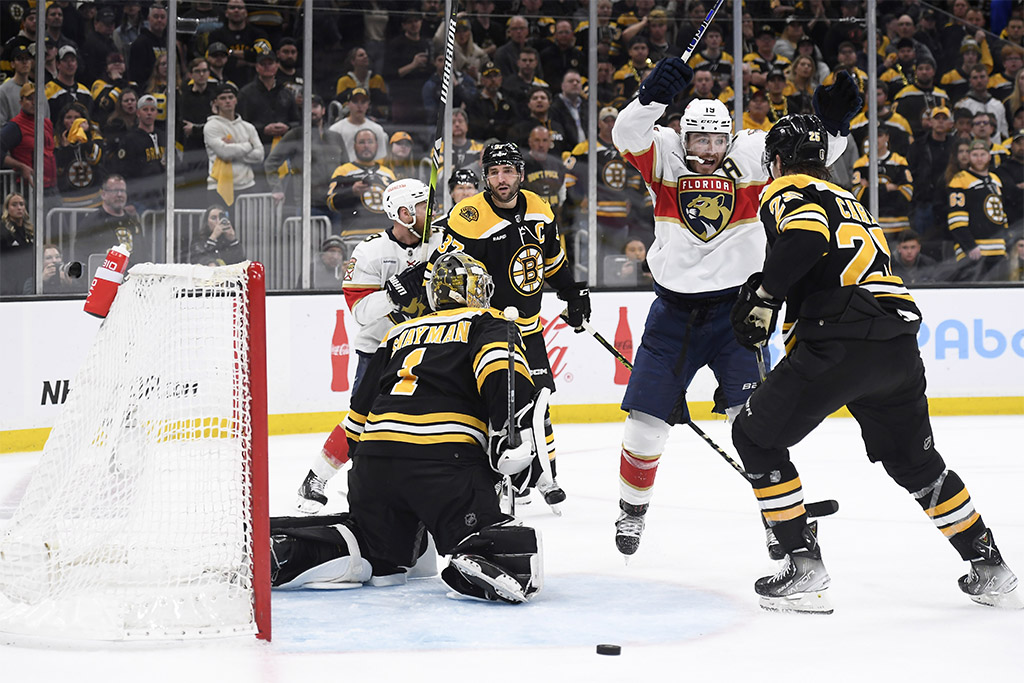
(607, 649)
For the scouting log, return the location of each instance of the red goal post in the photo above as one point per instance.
(147, 517)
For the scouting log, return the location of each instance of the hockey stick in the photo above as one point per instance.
(512, 434)
(821, 508)
(435, 153)
(759, 356)
(700, 31)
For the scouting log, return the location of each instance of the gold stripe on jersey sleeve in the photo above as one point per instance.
(499, 362)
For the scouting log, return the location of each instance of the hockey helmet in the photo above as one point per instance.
(406, 193)
(499, 153)
(463, 176)
(705, 116)
(797, 138)
(457, 279)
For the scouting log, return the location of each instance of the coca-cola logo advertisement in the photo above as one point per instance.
(554, 341)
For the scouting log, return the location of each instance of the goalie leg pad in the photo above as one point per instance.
(326, 554)
(516, 550)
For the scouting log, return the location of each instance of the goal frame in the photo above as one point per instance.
(259, 451)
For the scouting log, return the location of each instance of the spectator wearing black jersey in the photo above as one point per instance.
(151, 43)
(242, 41)
(406, 68)
(928, 158)
(266, 103)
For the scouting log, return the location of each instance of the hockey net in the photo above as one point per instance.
(146, 517)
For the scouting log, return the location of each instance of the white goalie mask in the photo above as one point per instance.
(406, 193)
(705, 116)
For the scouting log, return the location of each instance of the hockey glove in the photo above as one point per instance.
(668, 78)
(407, 286)
(577, 299)
(754, 316)
(837, 104)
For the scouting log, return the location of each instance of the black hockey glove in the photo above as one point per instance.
(407, 286)
(577, 299)
(753, 317)
(669, 77)
(837, 104)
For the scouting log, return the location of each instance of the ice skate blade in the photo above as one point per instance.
(815, 602)
(556, 509)
(504, 587)
(332, 585)
(1011, 600)
(306, 506)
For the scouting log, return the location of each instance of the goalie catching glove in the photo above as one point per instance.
(577, 300)
(669, 77)
(754, 314)
(407, 286)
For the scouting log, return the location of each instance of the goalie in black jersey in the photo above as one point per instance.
(850, 333)
(428, 436)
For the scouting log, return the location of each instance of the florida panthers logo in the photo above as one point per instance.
(706, 204)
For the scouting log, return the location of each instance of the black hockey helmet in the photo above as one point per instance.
(796, 139)
(499, 153)
(463, 176)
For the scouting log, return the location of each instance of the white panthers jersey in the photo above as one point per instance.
(373, 261)
(707, 233)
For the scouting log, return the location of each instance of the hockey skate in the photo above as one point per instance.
(311, 494)
(476, 577)
(989, 581)
(629, 526)
(800, 583)
(552, 492)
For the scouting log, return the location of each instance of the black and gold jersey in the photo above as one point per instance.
(619, 184)
(912, 101)
(893, 204)
(829, 259)
(435, 385)
(976, 214)
(520, 248)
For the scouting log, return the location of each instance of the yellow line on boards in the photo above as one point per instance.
(22, 440)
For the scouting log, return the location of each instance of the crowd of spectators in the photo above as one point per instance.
(951, 82)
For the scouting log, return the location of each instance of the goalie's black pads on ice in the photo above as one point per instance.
(407, 286)
(577, 300)
(669, 77)
(498, 563)
(837, 104)
(753, 318)
(306, 550)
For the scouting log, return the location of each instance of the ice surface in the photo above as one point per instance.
(684, 608)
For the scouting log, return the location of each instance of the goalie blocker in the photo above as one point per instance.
(500, 563)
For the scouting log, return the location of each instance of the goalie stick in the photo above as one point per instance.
(435, 153)
(821, 508)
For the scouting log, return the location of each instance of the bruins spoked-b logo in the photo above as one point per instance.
(706, 204)
(526, 271)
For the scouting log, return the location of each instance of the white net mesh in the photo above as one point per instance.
(135, 523)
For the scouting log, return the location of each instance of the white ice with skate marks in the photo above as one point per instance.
(684, 608)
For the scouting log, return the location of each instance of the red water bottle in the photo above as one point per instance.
(105, 282)
(624, 345)
(339, 355)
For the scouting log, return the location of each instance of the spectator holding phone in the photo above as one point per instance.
(217, 243)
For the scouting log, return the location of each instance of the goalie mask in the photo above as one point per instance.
(406, 193)
(704, 116)
(795, 139)
(458, 280)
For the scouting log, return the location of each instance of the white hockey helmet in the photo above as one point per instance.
(406, 193)
(706, 116)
